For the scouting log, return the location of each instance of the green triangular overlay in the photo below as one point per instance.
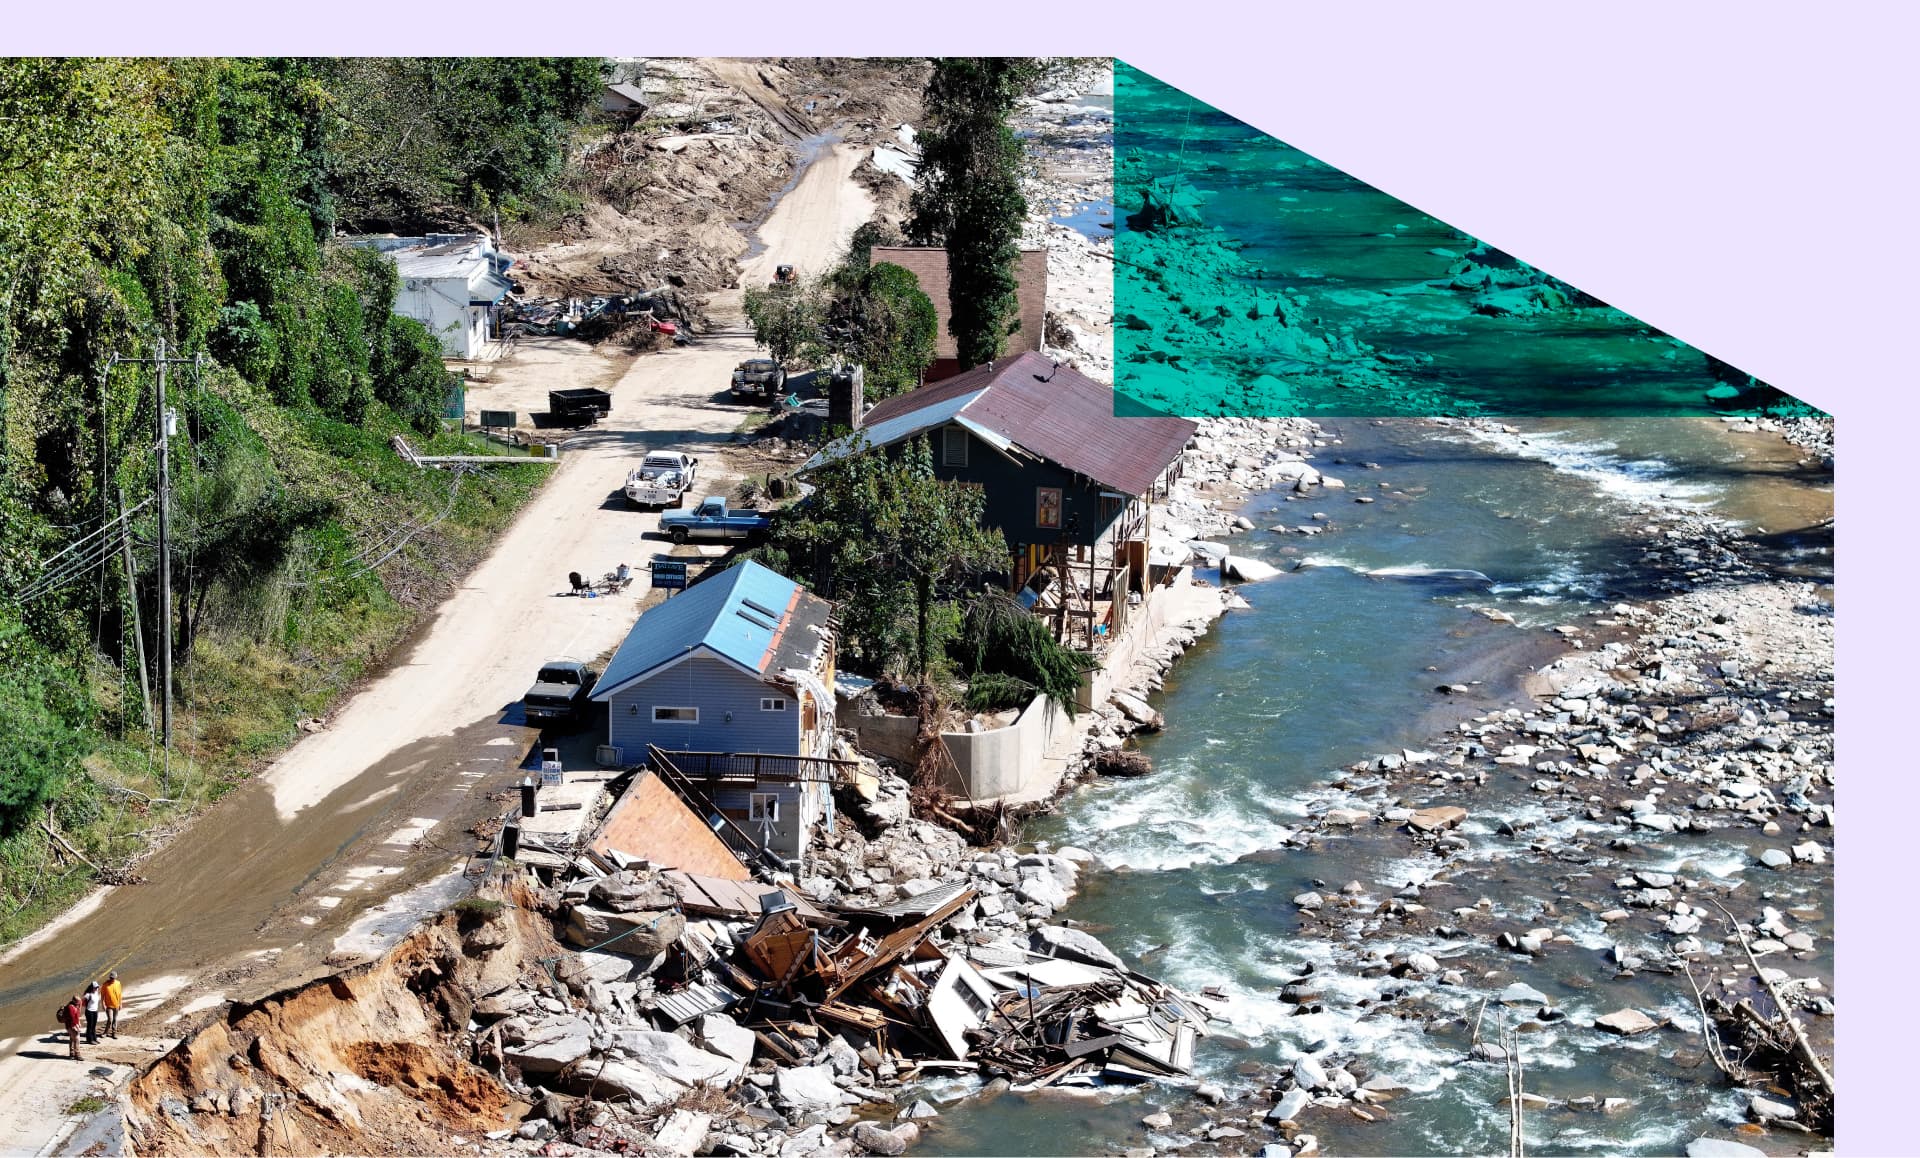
(1251, 279)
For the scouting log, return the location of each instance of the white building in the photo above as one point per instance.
(452, 283)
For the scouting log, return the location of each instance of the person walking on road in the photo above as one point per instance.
(110, 998)
(93, 1013)
(70, 1015)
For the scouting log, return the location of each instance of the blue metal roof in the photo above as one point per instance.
(735, 615)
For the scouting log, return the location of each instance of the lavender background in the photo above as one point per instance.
(1741, 175)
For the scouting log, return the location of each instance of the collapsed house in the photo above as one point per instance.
(703, 948)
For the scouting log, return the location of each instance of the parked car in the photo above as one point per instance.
(561, 692)
(662, 479)
(711, 521)
(581, 406)
(762, 377)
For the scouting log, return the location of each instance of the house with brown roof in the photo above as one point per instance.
(929, 266)
(1067, 481)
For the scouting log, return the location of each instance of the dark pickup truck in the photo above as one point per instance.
(712, 522)
(581, 406)
(758, 377)
(561, 692)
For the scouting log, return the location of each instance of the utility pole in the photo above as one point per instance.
(161, 430)
(164, 423)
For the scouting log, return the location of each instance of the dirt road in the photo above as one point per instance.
(253, 894)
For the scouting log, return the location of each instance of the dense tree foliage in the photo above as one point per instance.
(895, 547)
(198, 201)
(969, 199)
(1009, 654)
(859, 314)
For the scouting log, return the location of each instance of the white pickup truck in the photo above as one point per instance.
(662, 479)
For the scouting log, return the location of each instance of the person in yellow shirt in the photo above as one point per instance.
(110, 1001)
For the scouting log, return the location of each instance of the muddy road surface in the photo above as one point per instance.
(255, 892)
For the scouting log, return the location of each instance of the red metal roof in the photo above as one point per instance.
(1060, 415)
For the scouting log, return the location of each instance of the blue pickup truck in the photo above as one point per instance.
(711, 521)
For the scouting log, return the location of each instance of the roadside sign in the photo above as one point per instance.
(670, 574)
(492, 418)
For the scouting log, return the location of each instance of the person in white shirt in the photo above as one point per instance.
(93, 1012)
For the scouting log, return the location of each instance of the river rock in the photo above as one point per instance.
(727, 1037)
(1722, 1148)
(1247, 570)
(1437, 819)
(878, 1141)
(1042, 889)
(675, 1057)
(1422, 964)
(1774, 858)
(1159, 1120)
(1308, 1071)
(549, 1045)
(1626, 1022)
(1765, 1109)
(1060, 941)
(1139, 711)
(683, 1133)
(806, 1089)
(1346, 816)
(1520, 993)
(623, 1077)
(1288, 1108)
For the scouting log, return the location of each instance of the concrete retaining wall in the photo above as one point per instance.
(1012, 761)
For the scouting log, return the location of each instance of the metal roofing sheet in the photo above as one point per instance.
(1048, 410)
(893, 430)
(697, 999)
(926, 902)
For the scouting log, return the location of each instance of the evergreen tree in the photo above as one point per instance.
(969, 198)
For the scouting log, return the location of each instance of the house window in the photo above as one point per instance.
(676, 715)
(954, 449)
(773, 704)
(1046, 507)
(764, 806)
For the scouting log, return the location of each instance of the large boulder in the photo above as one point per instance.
(673, 1056)
(1139, 711)
(877, 1140)
(548, 1045)
(1626, 1022)
(1060, 941)
(641, 933)
(631, 892)
(1436, 819)
(1288, 1108)
(1247, 570)
(806, 1089)
(728, 1038)
(1722, 1148)
(614, 1076)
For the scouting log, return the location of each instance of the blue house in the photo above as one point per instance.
(740, 664)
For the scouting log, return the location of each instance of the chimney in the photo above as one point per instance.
(847, 397)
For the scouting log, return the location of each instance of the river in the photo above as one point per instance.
(1330, 666)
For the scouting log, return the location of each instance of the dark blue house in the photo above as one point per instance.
(1066, 480)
